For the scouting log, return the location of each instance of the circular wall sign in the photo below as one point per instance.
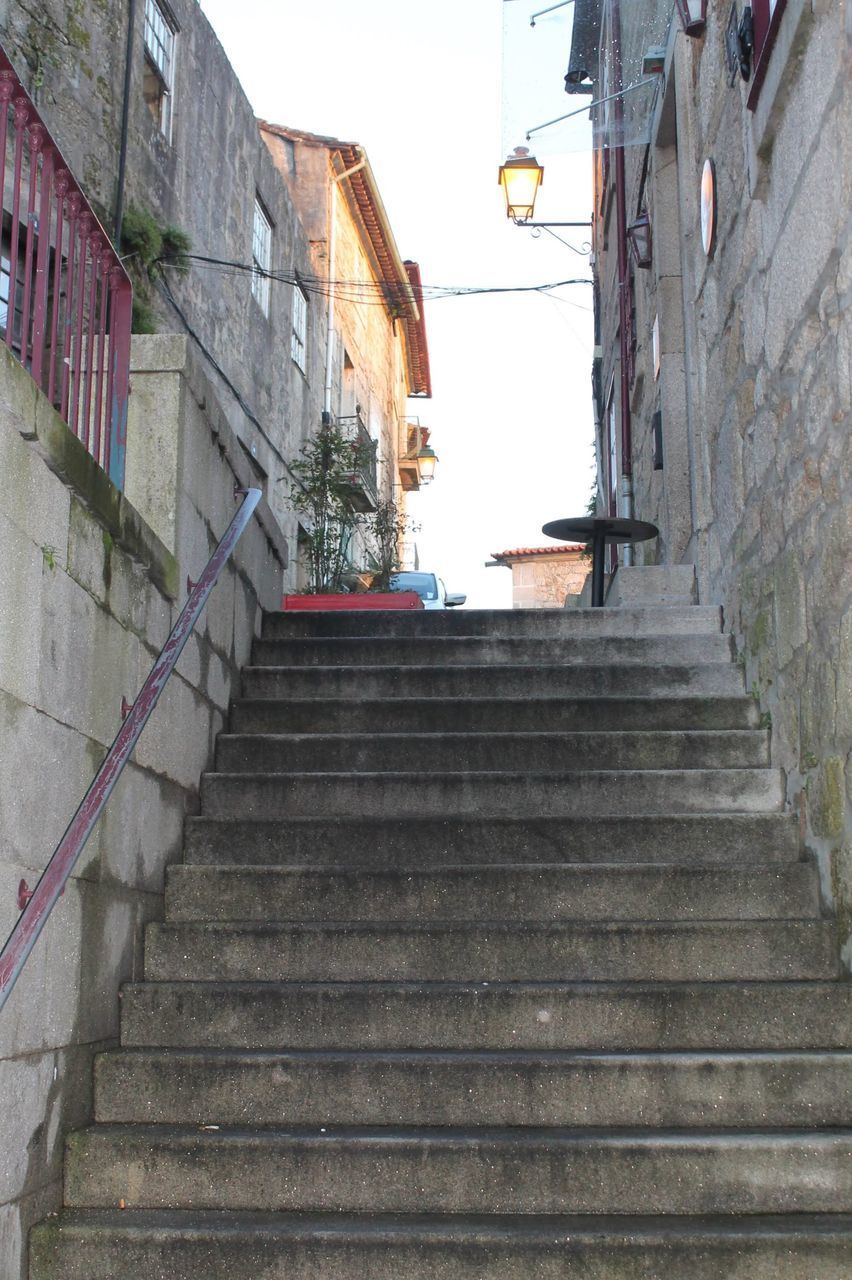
(708, 207)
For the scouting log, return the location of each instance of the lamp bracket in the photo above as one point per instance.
(598, 102)
(522, 222)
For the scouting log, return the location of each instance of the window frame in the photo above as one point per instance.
(766, 16)
(299, 328)
(161, 59)
(261, 254)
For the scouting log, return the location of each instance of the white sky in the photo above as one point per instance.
(421, 85)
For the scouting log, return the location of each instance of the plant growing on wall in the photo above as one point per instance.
(321, 493)
(148, 248)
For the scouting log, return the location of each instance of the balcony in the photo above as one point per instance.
(412, 438)
(65, 298)
(362, 486)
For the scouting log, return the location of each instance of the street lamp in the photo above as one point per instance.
(520, 177)
(693, 15)
(427, 460)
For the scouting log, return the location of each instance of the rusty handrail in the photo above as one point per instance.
(55, 876)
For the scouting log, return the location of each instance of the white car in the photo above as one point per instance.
(429, 587)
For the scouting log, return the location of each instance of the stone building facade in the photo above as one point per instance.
(545, 577)
(377, 356)
(195, 161)
(723, 388)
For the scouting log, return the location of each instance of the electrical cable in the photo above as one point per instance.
(211, 359)
(367, 292)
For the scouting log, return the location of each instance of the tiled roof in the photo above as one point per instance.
(400, 286)
(520, 552)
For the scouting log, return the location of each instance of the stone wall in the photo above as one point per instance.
(755, 385)
(90, 586)
(204, 180)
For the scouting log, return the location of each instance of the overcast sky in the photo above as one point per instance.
(438, 91)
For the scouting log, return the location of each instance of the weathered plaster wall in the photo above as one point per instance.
(758, 340)
(205, 181)
(88, 594)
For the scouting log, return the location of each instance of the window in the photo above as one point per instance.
(766, 15)
(300, 327)
(261, 256)
(158, 80)
(5, 280)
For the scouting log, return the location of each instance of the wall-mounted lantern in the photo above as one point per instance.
(427, 460)
(693, 15)
(639, 239)
(520, 177)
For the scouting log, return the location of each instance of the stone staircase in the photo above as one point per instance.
(492, 956)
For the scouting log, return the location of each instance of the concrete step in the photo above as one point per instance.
(408, 841)
(534, 623)
(111, 1244)
(445, 651)
(499, 951)
(532, 714)
(471, 1171)
(441, 752)
(496, 1015)
(503, 681)
(525, 892)
(592, 1090)
(492, 795)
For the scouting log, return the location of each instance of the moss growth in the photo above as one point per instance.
(826, 800)
(142, 319)
(760, 633)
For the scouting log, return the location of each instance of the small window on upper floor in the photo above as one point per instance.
(261, 255)
(158, 79)
(300, 327)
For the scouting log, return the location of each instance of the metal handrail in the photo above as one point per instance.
(55, 876)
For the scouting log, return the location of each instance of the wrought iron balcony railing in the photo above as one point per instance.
(65, 298)
(363, 487)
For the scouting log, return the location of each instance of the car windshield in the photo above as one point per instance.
(424, 584)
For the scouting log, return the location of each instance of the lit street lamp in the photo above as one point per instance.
(520, 177)
(427, 460)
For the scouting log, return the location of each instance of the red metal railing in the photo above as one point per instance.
(65, 298)
(36, 906)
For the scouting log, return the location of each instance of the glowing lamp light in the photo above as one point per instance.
(427, 460)
(693, 15)
(520, 177)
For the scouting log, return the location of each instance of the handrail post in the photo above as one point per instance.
(55, 876)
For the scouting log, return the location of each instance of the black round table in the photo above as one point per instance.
(599, 530)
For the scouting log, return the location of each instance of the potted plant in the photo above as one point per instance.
(322, 493)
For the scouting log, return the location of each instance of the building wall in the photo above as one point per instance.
(88, 595)
(71, 56)
(543, 582)
(363, 329)
(754, 384)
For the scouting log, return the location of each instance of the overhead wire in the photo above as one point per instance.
(367, 292)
